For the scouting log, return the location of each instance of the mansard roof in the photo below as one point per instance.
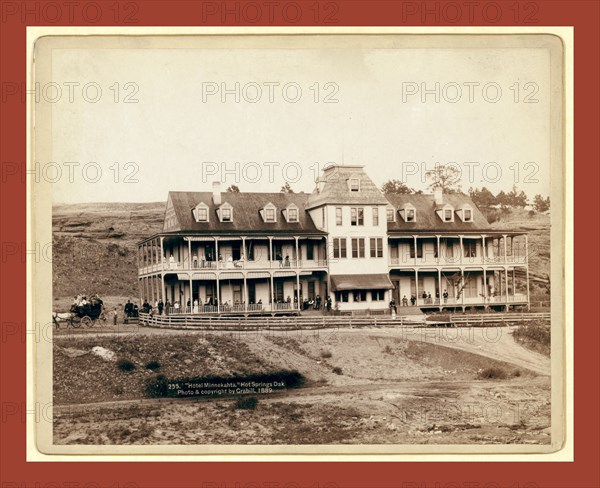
(246, 213)
(333, 188)
(427, 217)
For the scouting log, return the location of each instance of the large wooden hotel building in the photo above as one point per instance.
(253, 253)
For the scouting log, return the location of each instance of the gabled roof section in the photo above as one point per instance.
(427, 217)
(333, 188)
(171, 222)
(246, 213)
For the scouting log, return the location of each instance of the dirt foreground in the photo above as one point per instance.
(363, 386)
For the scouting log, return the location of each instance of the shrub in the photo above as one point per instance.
(387, 349)
(125, 365)
(326, 354)
(246, 403)
(153, 365)
(337, 370)
(534, 335)
(492, 374)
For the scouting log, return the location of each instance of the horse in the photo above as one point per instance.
(58, 317)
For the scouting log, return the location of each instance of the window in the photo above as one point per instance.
(447, 215)
(292, 215)
(468, 215)
(338, 216)
(310, 251)
(410, 214)
(354, 184)
(470, 249)
(390, 214)
(357, 216)
(375, 211)
(376, 245)
(345, 296)
(419, 249)
(358, 248)
(377, 295)
(226, 214)
(202, 215)
(269, 215)
(360, 295)
(339, 248)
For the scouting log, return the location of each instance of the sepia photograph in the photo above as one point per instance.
(326, 243)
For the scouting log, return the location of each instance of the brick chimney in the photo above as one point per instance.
(216, 193)
(438, 195)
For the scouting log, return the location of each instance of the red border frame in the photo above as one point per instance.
(583, 473)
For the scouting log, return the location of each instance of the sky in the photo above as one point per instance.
(161, 122)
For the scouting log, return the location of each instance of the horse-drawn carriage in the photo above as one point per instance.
(82, 313)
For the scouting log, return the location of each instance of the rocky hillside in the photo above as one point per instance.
(94, 246)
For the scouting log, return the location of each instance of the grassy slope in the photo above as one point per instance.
(94, 246)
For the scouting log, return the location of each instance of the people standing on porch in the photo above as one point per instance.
(445, 295)
(429, 297)
(172, 264)
(287, 261)
(195, 260)
(404, 301)
(160, 306)
(195, 306)
(167, 307)
(318, 302)
(176, 307)
(328, 304)
(413, 300)
(424, 296)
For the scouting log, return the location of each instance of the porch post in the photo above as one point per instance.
(140, 285)
(189, 253)
(162, 253)
(297, 260)
(218, 293)
(162, 286)
(244, 250)
(514, 283)
(483, 249)
(416, 282)
(217, 260)
(439, 253)
(439, 297)
(462, 249)
(415, 244)
(298, 287)
(245, 300)
(506, 282)
(191, 295)
(462, 280)
(272, 289)
(270, 251)
(504, 238)
(485, 287)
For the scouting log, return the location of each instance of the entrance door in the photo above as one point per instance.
(397, 295)
(311, 290)
(237, 294)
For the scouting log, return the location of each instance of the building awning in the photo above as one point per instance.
(232, 276)
(183, 276)
(259, 274)
(283, 274)
(361, 282)
(204, 276)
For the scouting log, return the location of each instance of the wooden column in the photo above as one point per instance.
(504, 238)
(439, 253)
(270, 251)
(440, 292)
(217, 286)
(218, 261)
(298, 287)
(416, 282)
(189, 253)
(462, 292)
(462, 249)
(297, 260)
(245, 304)
(272, 292)
(485, 287)
(527, 270)
(483, 250)
(415, 244)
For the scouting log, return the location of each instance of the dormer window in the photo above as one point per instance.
(201, 212)
(269, 213)
(291, 213)
(466, 213)
(409, 213)
(446, 213)
(354, 184)
(225, 213)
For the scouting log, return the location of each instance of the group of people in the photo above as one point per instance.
(83, 306)
(426, 296)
